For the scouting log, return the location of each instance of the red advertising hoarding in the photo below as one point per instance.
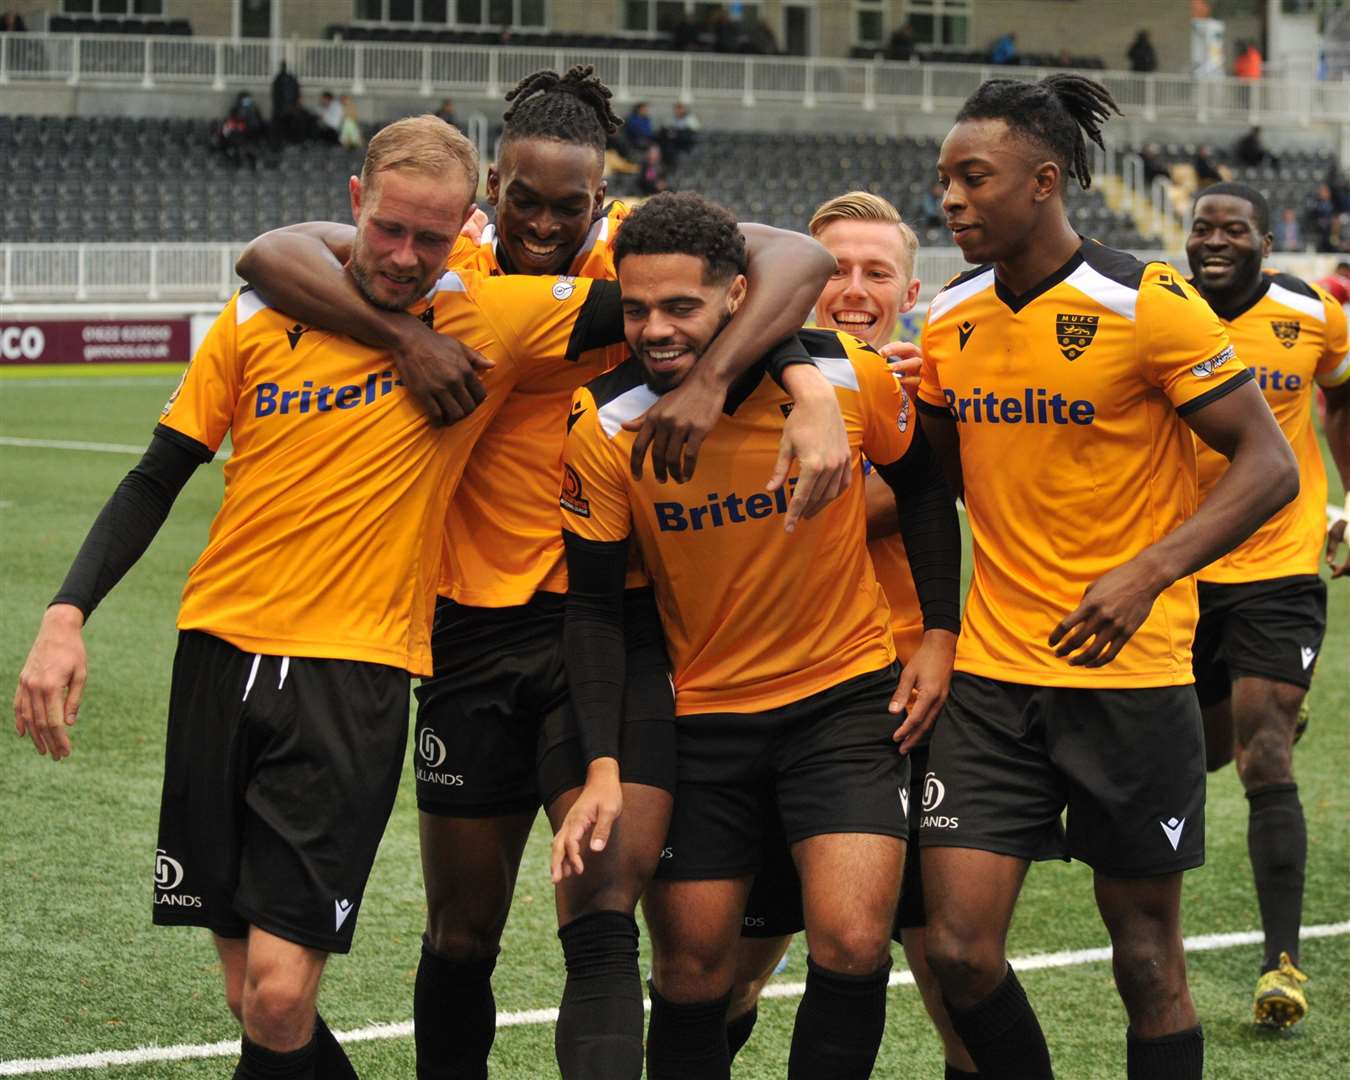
(96, 341)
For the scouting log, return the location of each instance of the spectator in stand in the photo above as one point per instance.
(1319, 215)
(1251, 151)
(1143, 57)
(759, 37)
(1206, 171)
(1154, 166)
(1248, 63)
(11, 22)
(287, 123)
(680, 135)
(931, 208)
(1288, 236)
(1004, 50)
(447, 113)
(1340, 189)
(1338, 282)
(652, 176)
(240, 132)
(724, 34)
(638, 129)
(901, 45)
(329, 127)
(349, 135)
(685, 35)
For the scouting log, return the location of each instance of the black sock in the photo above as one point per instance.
(1180, 1056)
(953, 1073)
(599, 1031)
(1277, 842)
(1003, 1036)
(454, 1017)
(839, 1026)
(330, 1060)
(258, 1063)
(688, 1042)
(738, 1031)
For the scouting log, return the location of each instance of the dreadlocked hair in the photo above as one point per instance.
(571, 108)
(1058, 111)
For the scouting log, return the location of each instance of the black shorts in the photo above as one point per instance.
(1267, 629)
(279, 777)
(1129, 765)
(826, 764)
(495, 731)
(774, 906)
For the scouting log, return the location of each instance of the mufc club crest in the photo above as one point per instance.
(1286, 331)
(1075, 333)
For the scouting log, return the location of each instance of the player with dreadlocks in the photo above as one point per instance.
(495, 737)
(1089, 370)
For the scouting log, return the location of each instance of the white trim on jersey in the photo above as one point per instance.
(249, 304)
(1337, 375)
(1110, 294)
(949, 297)
(838, 370)
(447, 282)
(1311, 306)
(627, 406)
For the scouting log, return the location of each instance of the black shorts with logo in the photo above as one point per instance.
(280, 774)
(495, 731)
(1269, 629)
(825, 764)
(774, 906)
(1129, 765)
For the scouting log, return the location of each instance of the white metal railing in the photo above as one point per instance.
(365, 67)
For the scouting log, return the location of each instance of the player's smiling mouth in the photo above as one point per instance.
(851, 317)
(664, 357)
(539, 251)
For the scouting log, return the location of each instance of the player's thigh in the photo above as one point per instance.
(1265, 720)
(970, 896)
(469, 868)
(850, 889)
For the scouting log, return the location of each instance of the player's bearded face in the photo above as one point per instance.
(1226, 245)
(871, 285)
(992, 201)
(671, 314)
(546, 194)
(406, 224)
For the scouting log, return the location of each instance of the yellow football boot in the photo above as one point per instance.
(1279, 1001)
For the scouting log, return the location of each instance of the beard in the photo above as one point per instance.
(364, 278)
(662, 382)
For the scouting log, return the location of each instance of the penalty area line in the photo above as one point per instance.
(103, 1059)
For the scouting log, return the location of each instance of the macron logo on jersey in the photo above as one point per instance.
(1033, 406)
(721, 510)
(271, 400)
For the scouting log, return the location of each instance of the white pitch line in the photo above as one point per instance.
(102, 1059)
(66, 444)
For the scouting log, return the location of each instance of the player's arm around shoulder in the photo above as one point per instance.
(1333, 375)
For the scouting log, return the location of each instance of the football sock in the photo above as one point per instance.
(1002, 1034)
(330, 1060)
(599, 1031)
(1180, 1056)
(839, 1024)
(258, 1063)
(1277, 842)
(688, 1042)
(953, 1073)
(454, 1017)
(738, 1031)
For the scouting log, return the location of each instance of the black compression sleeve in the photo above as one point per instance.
(593, 644)
(131, 518)
(786, 353)
(599, 322)
(931, 532)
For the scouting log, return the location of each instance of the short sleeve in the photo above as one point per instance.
(888, 412)
(541, 319)
(1184, 348)
(930, 389)
(594, 499)
(1334, 367)
(203, 405)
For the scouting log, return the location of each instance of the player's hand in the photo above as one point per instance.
(440, 372)
(51, 683)
(475, 224)
(1335, 538)
(596, 810)
(813, 435)
(905, 359)
(1113, 608)
(923, 687)
(675, 428)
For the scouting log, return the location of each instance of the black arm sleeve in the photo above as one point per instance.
(593, 643)
(931, 531)
(786, 353)
(131, 518)
(599, 322)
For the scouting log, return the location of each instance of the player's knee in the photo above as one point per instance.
(1150, 974)
(277, 1009)
(853, 949)
(1266, 757)
(745, 995)
(960, 961)
(692, 974)
(234, 999)
(462, 944)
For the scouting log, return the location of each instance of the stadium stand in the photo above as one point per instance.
(73, 24)
(981, 56)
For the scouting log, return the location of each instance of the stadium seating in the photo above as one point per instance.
(73, 24)
(981, 56)
(522, 38)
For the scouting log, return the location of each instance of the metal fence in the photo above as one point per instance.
(362, 67)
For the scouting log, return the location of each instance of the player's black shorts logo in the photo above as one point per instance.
(1075, 333)
(1286, 331)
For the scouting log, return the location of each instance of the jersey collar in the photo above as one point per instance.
(1016, 303)
(1230, 314)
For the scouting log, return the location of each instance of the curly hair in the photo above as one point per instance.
(571, 108)
(1057, 112)
(683, 223)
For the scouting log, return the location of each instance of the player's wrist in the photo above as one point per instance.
(603, 770)
(63, 617)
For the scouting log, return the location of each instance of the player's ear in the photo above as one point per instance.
(736, 294)
(600, 192)
(494, 184)
(1046, 180)
(911, 296)
(355, 192)
(1267, 245)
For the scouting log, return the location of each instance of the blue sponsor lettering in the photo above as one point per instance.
(1275, 379)
(719, 510)
(1035, 405)
(271, 400)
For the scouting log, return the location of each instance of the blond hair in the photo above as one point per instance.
(425, 144)
(864, 206)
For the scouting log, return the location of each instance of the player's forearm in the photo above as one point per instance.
(883, 518)
(1337, 426)
(786, 273)
(297, 272)
(593, 642)
(945, 441)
